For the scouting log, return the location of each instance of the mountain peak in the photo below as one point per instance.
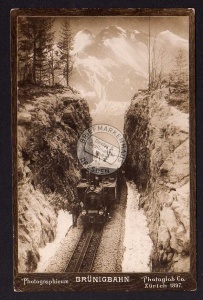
(83, 38)
(114, 28)
(112, 32)
(173, 39)
(121, 29)
(167, 34)
(136, 31)
(85, 31)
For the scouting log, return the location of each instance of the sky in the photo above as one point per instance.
(177, 25)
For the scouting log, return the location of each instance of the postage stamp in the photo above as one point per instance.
(104, 149)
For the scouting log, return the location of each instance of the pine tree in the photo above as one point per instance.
(161, 60)
(24, 61)
(66, 45)
(181, 63)
(36, 35)
(179, 75)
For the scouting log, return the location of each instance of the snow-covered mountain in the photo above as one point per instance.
(111, 66)
(82, 39)
(169, 40)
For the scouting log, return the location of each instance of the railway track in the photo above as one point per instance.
(85, 251)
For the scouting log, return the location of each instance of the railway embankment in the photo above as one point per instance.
(49, 124)
(157, 132)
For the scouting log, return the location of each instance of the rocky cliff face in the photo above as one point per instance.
(49, 124)
(158, 161)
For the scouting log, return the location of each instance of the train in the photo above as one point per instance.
(97, 195)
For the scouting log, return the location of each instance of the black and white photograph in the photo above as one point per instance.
(104, 150)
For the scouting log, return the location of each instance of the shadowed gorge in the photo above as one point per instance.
(49, 124)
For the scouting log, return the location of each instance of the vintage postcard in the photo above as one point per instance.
(104, 149)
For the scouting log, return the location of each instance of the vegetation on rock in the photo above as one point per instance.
(49, 125)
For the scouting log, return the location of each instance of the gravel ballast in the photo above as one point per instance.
(59, 262)
(110, 252)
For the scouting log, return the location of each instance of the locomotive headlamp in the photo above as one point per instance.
(91, 188)
(101, 212)
(83, 212)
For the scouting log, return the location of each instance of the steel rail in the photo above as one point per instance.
(85, 251)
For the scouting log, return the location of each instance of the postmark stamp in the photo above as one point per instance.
(101, 149)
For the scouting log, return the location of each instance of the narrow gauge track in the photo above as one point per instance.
(85, 251)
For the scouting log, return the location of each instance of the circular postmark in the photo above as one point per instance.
(101, 149)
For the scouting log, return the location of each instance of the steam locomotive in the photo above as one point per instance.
(97, 195)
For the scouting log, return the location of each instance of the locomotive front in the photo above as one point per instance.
(94, 208)
(97, 195)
